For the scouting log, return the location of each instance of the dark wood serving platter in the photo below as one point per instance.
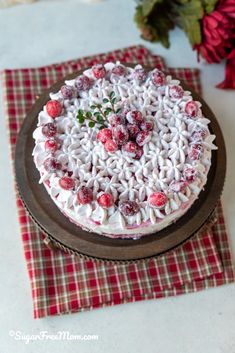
(71, 237)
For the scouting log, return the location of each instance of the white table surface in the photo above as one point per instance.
(53, 31)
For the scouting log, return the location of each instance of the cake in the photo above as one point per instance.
(122, 151)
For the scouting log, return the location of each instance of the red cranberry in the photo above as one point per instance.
(190, 174)
(110, 146)
(178, 186)
(191, 108)
(139, 153)
(195, 152)
(53, 108)
(176, 92)
(84, 195)
(158, 78)
(143, 137)
(51, 165)
(157, 199)
(49, 130)
(83, 83)
(140, 75)
(99, 71)
(129, 208)
(67, 183)
(115, 120)
(130, 148)
(67, 91)
(104, 135)
(120, 134)
(199, 135)
(133, 130)
(147, 125)
(106, 200)
(134, 117)
(51, 146)
(119, 70)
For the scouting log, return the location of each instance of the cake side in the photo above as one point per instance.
(146, 165)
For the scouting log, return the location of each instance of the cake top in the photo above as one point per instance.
(123, 145)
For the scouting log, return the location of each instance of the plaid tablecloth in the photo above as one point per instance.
(63, 283)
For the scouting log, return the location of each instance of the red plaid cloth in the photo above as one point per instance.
(63, 283)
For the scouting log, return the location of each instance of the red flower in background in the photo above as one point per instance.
(218, 39)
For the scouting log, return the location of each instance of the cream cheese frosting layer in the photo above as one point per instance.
(160, 172)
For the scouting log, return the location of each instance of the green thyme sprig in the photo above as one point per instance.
(99, 114)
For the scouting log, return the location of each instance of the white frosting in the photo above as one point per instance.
(164, 159)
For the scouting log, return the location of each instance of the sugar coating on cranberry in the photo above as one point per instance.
(49, 130)
(134, 117)
(176, 92)
(130, 148)
(51, 146)
(191, 108)
(143, 137)
(83, 83)
(104, 135)
(106, 200)
(129, 208)
(84, 195)
(140, 75)
(157, 199)
(190, 174)
(67, 183)
(199, 135)
(67, 91)
(178, 186)
(147, 125)
(119, 70)
(51, 164)
(53, 108)
(120, 134)
(111, 146)
(98, 71)
(133, 130)
(195, 151)
(116, 119)
(139, 153)
(158, 78)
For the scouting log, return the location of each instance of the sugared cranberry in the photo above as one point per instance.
(53, 108)
(111, 146)
(130, 148)
(67, 91)
(133, 130)
(116, 119)
(120, 134)
(195, 152)
(191, 108)
(106, 200)
(134, 117)
(83, 83)
(199, 135)
(143, 137)
(158, 78)
(178, 186)
(49, 130)
(147, 125)
(119, 70)
(51, 165)
(140, 75)
(84, 195)
(104, 135)
(67, 183)
(129, 208)
(99, 71)
(139, 153)
(190, 174)
(176, 92)
(51, 146)
(157, 199)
